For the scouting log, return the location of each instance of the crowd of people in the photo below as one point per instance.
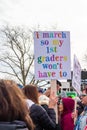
(29, 108)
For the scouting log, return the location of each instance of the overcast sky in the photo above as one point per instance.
(68, 15)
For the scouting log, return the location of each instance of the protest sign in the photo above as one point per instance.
(52, 55)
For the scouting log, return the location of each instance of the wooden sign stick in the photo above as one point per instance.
(75, 110)
(54, 89)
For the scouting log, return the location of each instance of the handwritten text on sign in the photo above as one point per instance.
(52, 55)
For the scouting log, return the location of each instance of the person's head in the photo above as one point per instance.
(58, 85)
(60, 106)
(66, 105)
(84, 100)
(31, 92)
(82, 96)
(12, 104)
(40, 91)
(43, 100)
(84, 91)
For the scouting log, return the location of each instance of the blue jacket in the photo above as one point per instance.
(81, 121)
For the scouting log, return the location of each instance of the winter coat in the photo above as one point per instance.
(42, 119)
(67, 123)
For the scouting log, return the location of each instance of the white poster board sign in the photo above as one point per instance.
(52, 55)
(76, 81)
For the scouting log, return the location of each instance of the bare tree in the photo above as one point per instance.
(17, 54)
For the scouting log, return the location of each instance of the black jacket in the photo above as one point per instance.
(43, 119)
(14, 125)
(80, 107)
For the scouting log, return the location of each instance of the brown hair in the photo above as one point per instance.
(31, 92)
(12, 104)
